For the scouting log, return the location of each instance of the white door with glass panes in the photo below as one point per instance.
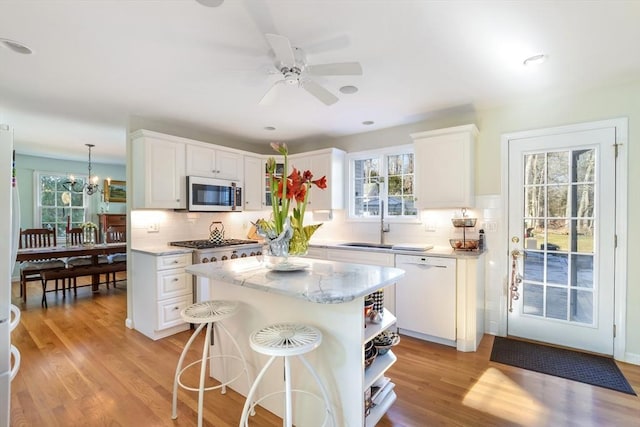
(562, 224)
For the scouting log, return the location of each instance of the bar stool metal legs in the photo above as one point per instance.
(286, 340)
(209, 314)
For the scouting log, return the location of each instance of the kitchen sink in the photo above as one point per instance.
(366, 245)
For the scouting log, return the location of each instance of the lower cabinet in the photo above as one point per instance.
(161, 289)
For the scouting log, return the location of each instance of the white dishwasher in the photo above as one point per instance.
(426, 298)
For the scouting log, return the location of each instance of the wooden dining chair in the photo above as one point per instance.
(75, 236)
(116, 234)
(30, 270)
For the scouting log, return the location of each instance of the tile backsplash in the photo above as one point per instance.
(154, 227)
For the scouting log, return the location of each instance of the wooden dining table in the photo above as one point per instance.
(61, 252)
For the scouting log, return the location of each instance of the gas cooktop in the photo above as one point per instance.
(207, 244)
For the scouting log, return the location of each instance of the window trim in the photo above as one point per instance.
(382, 154)
(37, 196)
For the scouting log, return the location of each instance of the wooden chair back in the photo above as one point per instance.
(116, 235)
(37, 238)
(76, 235)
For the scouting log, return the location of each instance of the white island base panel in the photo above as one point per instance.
(339, 361)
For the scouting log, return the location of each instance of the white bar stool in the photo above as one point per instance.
(286, 340)
(209, 314)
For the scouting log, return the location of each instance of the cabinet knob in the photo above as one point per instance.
(175, 261)
(176, 308)
(175, 279)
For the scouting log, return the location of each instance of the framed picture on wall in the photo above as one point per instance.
(115, 191)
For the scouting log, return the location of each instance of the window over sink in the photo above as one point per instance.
(385, 176)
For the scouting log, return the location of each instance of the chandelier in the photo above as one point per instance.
(91, 186)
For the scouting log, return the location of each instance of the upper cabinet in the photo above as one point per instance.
(330, 163)
(444, 169)
(158, 171)
(214, 163)
(161, 163)
(253, 183)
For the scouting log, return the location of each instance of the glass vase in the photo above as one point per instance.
(299, 244)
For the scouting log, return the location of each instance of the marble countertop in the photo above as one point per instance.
(160, 250)
(319, 281)
(436, 251)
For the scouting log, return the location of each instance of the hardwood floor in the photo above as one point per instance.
(82, 367)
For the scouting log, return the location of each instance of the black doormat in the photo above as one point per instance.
(573, 365)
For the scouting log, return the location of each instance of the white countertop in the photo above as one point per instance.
(324, 282)
(160, 250)
(436, 251)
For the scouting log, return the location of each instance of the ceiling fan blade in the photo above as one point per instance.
(270, 96)
(337, 69)
(282, 49)
(319, 92)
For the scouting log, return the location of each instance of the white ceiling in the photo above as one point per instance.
(96, 63)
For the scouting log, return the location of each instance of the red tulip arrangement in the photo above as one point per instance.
(287, 189)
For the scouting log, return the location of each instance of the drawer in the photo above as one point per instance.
(386, 259)
(169, 311)
(172, 283)
(173, 261)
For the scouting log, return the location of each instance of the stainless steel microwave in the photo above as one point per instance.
(213, 195)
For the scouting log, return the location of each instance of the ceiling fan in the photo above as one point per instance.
(291, 63)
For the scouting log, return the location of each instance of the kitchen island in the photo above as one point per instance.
(325, 294)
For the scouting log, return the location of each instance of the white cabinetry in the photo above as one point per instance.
(253, 183)
(445, 167)
(329, 163)
(158, 170)
(470, 302)
(317, 252)
(214, 163)
(161, 290)
(384, 259)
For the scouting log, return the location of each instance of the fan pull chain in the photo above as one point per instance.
(516, 279)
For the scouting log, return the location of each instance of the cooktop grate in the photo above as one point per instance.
(207, 244)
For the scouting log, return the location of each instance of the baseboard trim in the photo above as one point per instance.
(633, 358)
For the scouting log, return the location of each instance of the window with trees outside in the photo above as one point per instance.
(382, 178)
(55, 203)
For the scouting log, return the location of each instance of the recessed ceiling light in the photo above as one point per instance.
(535, 59)
(269, 128)
(348, 89)
(210, 3)
(368, 122)
(15, 46)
